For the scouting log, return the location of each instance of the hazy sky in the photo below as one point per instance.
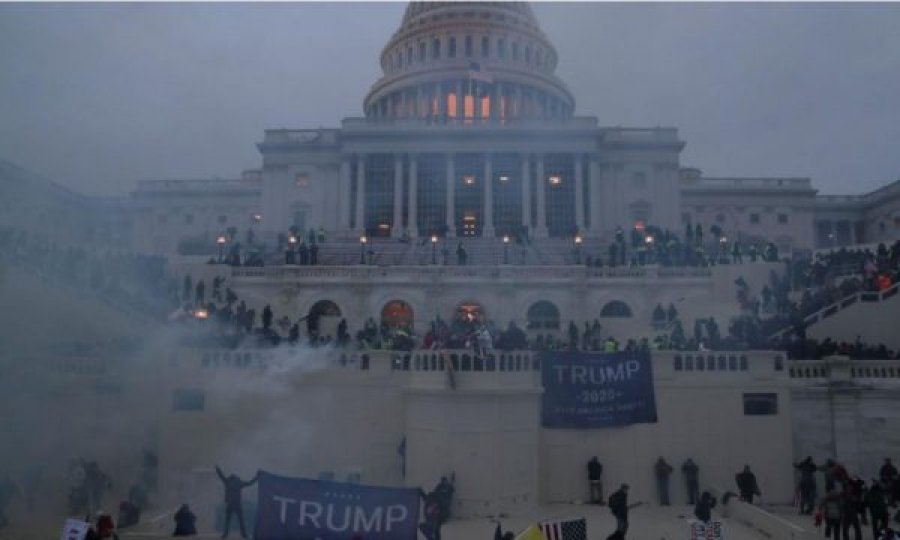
(98, 96)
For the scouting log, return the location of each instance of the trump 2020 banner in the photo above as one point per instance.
(596, 390)
(300, 509)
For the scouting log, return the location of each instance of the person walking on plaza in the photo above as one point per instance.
(691, 473)
(746, 483)
(874, 500)
(663, 470)
(618, 505)
(703, 509)
(595, 480)
(888, 476)
(851, 502)
(807, 470)
(233, 487)
(831, 511)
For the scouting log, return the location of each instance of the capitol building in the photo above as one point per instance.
(469, 133)
(468, 143)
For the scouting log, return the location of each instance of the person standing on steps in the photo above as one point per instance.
(691, 473)
(663, 470)
(595, 480)
(233, 504)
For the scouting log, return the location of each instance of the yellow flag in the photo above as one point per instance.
(531, 533)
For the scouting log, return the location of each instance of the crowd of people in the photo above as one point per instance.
(849, 501)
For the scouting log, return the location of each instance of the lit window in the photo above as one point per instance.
(302, 180)
(469, 179)
(503, 178)
(782, 218)
(555, 180)
(257, 218)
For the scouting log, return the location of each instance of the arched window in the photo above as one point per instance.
(397, 314)
(325, 308)
(485, 46)
(543, 314)
(616, 308)
(422, 52)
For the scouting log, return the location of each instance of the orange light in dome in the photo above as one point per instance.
(502, 109)
(555, 180)
(469, 179)
(639, 225)
(469, 106)
(451, 105)
(435, 106)
(485, 107)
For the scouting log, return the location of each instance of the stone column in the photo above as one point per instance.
(413, 224)
(397, 224)
(540, 229)
(579, 194)
(487, 230)
(360, 193)
(451, 196)
(442, 101)
(460, 102)
(344, 200)
(595, 181)
(417, 113)
(526, 193)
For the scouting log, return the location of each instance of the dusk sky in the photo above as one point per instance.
(98, 96)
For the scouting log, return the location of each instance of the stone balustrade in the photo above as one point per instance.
(464, 273)
(841, 370)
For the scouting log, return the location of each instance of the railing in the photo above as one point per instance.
(841, 369)
(863, 296)
(366, 272)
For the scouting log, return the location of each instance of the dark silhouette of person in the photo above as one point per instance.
(618, 505)
(703, 509)
(431, 527)
(663, 470)
(233, 487)
(444, 492)
(874, 500)
(691, 473)
(595, 480)
(807, 470)
(746, 483)
(185, 522)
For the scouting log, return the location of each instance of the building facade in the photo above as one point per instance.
(469, 133)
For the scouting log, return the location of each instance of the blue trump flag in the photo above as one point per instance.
(596, 390)
(300, 509)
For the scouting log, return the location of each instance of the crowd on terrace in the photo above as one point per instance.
(772, 318)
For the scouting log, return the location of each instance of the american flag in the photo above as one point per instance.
(573, 529)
